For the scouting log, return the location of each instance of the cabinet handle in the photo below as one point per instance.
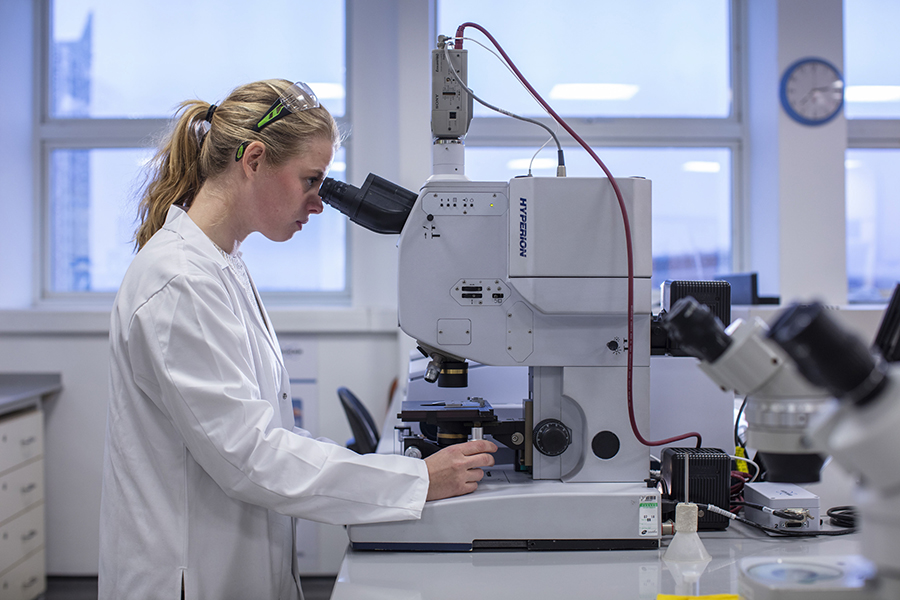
(30, 583)
(30, 535)
(29, 488)
(29, 441)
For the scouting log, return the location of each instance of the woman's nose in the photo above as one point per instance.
(316, 206)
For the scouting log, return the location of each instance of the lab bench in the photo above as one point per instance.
(569, 575)
(22, 527)
(632, 574)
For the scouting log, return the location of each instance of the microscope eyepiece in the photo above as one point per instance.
(379, 205)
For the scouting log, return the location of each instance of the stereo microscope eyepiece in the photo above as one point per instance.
(697, 331)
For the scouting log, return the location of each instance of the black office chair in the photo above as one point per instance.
(365, 433)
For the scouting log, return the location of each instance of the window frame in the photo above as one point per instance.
(51, 134)
(729, 132)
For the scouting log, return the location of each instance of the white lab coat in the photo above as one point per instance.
(203, 469)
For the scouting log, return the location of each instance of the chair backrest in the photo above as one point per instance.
(365, 433)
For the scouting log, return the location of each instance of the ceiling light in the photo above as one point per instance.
(872, 93)
(701, 166)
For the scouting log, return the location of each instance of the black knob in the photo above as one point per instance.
(552, 437)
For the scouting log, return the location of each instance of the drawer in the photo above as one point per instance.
(21, 488)
(21, 536)
(26, 580)
(21, 438)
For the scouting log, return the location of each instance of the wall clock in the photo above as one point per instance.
(812, 91)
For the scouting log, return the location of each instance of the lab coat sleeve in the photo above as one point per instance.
(190, 353)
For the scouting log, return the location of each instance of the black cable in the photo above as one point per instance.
(842, 516)
(737, 422)
(773, 531)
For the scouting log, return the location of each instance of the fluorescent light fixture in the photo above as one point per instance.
(521, 164)
(327, 91)
(852, 164)
(701, 166)
(338, 166)
(872, 93)
(593, 91)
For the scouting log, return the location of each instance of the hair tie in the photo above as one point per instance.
(209, 113)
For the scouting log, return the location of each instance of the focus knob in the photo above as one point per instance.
(552, 437)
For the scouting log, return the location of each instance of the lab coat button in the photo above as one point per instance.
(284, 396)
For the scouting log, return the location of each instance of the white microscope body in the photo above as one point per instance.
(533, 272)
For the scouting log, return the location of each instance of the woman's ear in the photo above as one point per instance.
(252, 159)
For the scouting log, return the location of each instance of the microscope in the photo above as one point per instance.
(857, 427)
(817, 390)
(532, 273)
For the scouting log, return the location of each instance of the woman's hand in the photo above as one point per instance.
(456, 470)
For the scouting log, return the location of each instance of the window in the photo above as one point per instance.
(647, 84)
(872, 106)
(872, 56)
(873, 212)
(619, 59)
(110, 84)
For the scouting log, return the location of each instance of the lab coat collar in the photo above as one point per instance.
(180, 222)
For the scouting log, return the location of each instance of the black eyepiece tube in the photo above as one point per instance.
(827, 354)
(379, 205)
(697, 331)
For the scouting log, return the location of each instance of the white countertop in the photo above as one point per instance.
(639, 574)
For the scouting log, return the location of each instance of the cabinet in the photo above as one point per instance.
(22, 526)
(22, 575)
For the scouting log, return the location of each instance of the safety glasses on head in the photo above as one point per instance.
(297, 98)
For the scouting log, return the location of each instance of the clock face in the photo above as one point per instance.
(812, 91)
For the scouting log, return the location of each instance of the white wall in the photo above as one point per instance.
(796, 172)
(359, 347)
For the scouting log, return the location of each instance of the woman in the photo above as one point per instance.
(203, 470)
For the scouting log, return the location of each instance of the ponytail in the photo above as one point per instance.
(175, 173)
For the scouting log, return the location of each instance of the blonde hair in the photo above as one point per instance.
(190, 154)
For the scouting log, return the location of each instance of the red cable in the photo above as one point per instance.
(630, 353)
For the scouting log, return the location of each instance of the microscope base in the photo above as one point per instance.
(510, 511)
